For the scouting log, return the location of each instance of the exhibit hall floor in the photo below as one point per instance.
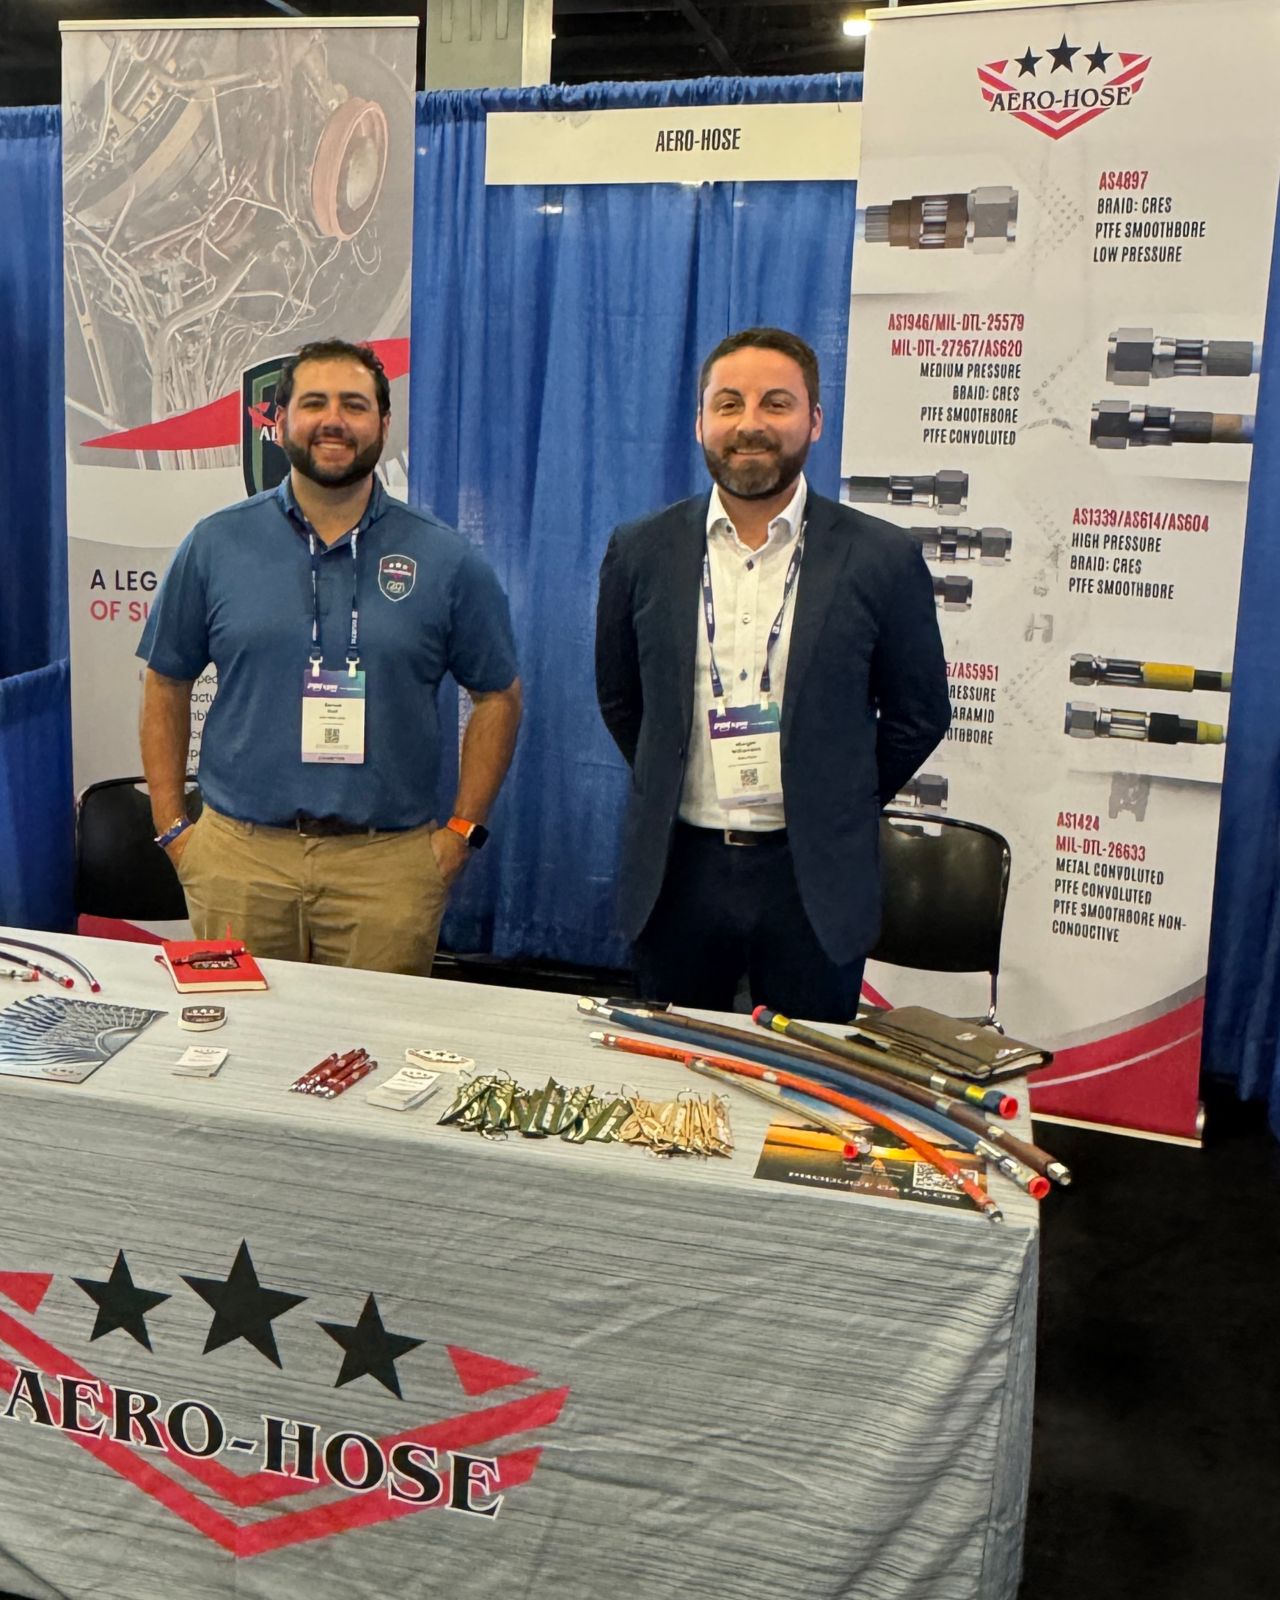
(1155, 1466)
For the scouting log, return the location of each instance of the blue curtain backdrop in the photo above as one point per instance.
(1242, 1012)
(556, 338)
(556, 341)
(36, 814)
(35, 742)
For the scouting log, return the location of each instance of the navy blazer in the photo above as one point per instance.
(864, 702)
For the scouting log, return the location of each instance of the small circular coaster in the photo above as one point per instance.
(202, 1019)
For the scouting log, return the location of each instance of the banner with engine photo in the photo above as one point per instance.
(231, 190)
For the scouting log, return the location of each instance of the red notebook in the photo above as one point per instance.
(202, 966)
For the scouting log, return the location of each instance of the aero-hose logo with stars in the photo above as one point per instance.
(346, 1478)
(1060, 87)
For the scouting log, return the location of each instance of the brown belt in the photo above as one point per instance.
(326, 827)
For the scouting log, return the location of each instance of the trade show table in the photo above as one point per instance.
(265, 1345)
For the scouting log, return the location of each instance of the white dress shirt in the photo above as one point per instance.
(747, 586)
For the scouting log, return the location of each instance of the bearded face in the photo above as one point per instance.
(756, 423)
(331, 430)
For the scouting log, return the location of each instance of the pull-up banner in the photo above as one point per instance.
(1059, 287)
(231, 190)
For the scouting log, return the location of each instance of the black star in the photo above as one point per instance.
(1027, 64)
(1098, 60)
(242, 1308)
(370, 1349)
(120, 1303)
(1063, 53)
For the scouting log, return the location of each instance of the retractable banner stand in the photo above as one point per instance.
(1059, 285)
(230, 191)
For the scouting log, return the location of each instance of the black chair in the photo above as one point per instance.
(944, 884)
(120, 871)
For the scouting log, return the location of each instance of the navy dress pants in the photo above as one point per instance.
(732, 911)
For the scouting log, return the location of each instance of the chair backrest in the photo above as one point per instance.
(120, 871)
(943, 888)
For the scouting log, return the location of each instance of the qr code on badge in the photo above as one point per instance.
(748, 777)
(332, 736)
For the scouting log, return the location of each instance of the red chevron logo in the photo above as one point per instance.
(447, 1478)
(1059, 109)
(25, 1289)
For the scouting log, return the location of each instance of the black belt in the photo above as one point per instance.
(737, 836)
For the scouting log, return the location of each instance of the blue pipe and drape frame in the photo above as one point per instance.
(556, 340)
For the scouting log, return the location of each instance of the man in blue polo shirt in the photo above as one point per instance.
(331, 612)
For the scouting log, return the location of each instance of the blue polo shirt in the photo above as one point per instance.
(238, 594)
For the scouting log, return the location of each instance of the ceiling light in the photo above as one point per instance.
(855, 27)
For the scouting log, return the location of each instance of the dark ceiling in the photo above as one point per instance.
(691, 38)
(594, 39)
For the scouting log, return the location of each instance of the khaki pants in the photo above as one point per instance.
(370, 900)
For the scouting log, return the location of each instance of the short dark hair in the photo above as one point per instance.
(335, 350)
(787, 344)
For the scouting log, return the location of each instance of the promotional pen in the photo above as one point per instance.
(343, 1081)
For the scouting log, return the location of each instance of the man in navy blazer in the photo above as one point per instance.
(769, 664)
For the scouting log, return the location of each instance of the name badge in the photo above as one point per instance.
(333, 717)
(746, 755)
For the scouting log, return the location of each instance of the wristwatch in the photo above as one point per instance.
(475, 833)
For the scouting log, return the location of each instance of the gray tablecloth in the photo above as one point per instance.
(691, 1381)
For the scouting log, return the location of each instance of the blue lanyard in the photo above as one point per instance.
(353, 649)
(709, 614)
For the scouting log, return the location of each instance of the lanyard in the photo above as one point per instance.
(709, 613)
(353, 648)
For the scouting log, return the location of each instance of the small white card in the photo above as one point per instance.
(407, 1089)
(199, 1061)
